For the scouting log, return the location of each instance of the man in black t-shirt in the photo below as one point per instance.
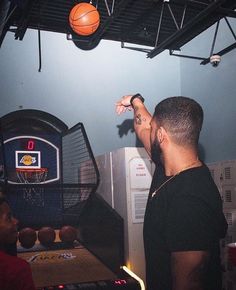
(184, 220)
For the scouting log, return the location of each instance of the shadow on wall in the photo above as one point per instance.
(125, 127)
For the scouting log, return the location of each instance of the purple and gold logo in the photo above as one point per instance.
(28, 159)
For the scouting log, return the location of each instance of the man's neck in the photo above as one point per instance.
(180, 160)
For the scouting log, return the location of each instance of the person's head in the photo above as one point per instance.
(179, 117)
(8, 224)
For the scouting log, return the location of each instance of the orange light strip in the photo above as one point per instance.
(132, 274)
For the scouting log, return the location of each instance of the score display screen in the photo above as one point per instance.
(120, 282)
(28, 144)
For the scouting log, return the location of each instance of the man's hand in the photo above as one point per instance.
(124, 104)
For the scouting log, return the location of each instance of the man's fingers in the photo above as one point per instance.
(119, 109)
(123, 105)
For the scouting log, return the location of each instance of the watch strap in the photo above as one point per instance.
(136, 96)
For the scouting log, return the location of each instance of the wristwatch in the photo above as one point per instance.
(138, 96)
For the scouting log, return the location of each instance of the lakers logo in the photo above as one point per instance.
(51, 257)
(28, 160)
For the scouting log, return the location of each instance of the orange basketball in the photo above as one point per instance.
(46, 236)
(68, 234)
(84, 19)
(27, 237)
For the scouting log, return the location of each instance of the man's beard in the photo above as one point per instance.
(156, 153)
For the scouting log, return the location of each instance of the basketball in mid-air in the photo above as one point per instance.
(46, 236)
(68, 234)
(27, 237)
(84, 19)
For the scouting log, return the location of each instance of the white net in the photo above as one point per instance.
(32, 194)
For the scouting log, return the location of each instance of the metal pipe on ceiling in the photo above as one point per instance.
(4, 8)
(186, 29)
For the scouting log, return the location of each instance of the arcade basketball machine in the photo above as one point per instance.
(51, 178)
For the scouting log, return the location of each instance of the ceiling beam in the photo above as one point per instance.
(188, 28)
(23, 23)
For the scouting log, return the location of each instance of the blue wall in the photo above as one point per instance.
(215, 89)
(83, 86)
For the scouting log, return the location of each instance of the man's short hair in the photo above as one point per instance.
(182, 118)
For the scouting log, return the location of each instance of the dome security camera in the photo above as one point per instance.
(215, 60)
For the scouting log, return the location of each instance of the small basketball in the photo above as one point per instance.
(27, 237)
(46, 236)
(68, 234)
(84, 19)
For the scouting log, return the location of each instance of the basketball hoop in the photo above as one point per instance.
(31, 175)
(32, 194)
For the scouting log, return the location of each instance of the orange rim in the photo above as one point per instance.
(31, 170)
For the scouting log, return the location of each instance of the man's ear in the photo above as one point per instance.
(162, 134)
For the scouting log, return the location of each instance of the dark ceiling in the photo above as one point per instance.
(146, 25)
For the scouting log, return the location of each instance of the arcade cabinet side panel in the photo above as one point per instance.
(102, 232)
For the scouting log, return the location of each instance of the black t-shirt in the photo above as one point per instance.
(184, 215)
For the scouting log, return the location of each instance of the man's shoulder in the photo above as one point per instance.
(198, 184)
(199, 177)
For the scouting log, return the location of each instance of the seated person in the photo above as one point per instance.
(15, 273)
